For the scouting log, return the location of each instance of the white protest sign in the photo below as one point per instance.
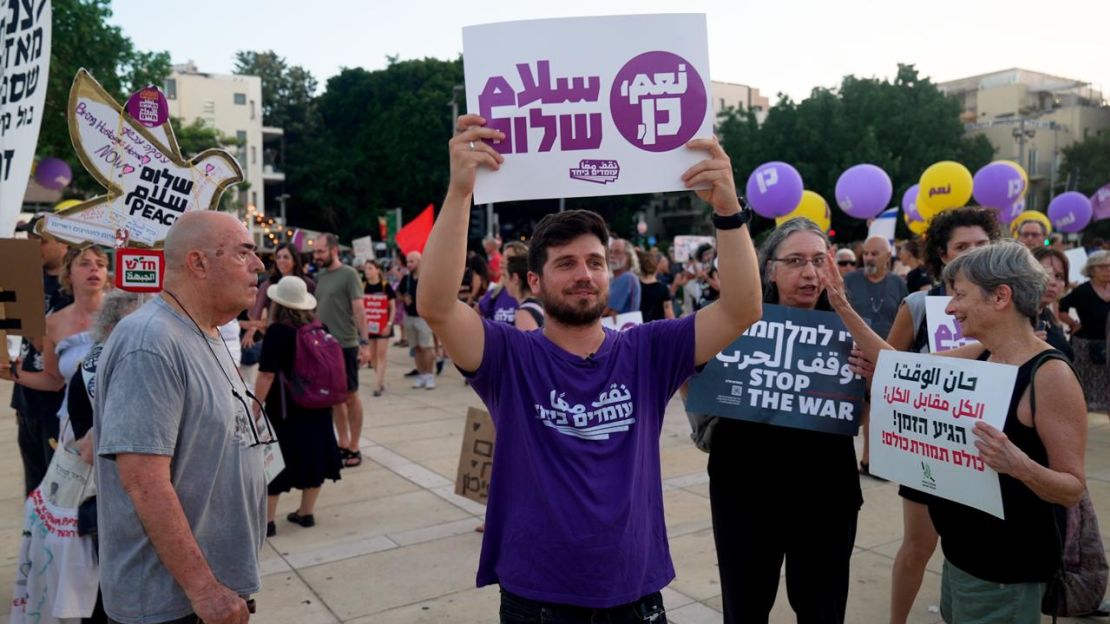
(685, 246)
(1077, 259)
(623, 321)
(363, 248)
(586, 111)
(24, 68)
(944, 330)
(923, 410)
(884, 225)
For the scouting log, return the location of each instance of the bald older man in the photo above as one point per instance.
(182, 495)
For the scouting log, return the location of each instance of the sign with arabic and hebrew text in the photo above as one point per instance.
(585, 112)
(790, 369)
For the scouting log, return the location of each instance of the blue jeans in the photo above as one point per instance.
(519, 610)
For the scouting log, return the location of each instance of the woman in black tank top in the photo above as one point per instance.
(995, 569)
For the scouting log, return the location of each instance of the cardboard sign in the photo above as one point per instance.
(140, 270)
(685, 246)
(923, 410)
(476, 460)
(363, 249)
(790, 369)
(149, 183)
(377, 313)
(22, 301)
(945, 332)
(624, 321)
(585, 112)
(25, 36)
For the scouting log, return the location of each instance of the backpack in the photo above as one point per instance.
(319, 376)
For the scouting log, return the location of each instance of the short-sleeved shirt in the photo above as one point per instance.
(498, 305)
(1091, 308)
(918, 278)
(652, 298)
(408, 286)
(335, 290)
(163, 388)
(624, 293)
(877, 303)
(575, 513)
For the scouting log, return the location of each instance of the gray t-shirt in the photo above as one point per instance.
(163, 389)
(878, 302)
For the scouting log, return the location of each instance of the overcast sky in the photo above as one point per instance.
(788, 46)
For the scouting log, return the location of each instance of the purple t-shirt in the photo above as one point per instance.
(575, 512)
(501, 308)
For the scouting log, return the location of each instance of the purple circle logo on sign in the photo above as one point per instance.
(658, 101)
(148, 107)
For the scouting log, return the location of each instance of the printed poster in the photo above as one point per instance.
(363, 249)
(377, 313)
(945, 332)
(476, 459)
(790, 369)
(923, 411)
(587, 113)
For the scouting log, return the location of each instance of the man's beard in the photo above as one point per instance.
(573, 315)
(871, 269)
(322, 263)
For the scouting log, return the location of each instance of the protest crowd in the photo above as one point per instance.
(159, 429)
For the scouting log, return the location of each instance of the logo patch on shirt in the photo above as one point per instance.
(610, 413)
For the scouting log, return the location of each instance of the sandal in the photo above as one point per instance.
(352, 459)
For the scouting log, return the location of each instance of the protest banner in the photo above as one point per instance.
(22, 302)
(923, 410)
(140, 270)
(25, 36)
(134, 155)
(945, 332)
(790, 369)
(884, 225)
(587, 113)
(623, 321)
(1077, 259)
(377, 313)
(476, 459)
(685, 246)
(363, 249)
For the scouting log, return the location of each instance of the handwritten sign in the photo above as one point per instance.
(587, 113)
(476, 459)
(790, 369)
(140, 270)
(624, 321)
(377, 313)
(945, 332)
(923, 409)
(149, 184)
(363, 249)
(686, 246)
(25, 36)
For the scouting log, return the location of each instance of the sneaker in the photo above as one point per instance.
(412, 373)
(419, 382)
(429, 382)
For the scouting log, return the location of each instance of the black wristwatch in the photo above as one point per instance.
(734, 221)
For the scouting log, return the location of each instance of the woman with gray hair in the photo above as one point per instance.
(995, 570)
(1091, 300)
(759, 523)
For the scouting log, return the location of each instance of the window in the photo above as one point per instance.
(171, 89)
(241, 137)
(254, 155)
(209, 107)
(1032, 162)
(240, 99)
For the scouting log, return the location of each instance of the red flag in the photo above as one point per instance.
(414, 235)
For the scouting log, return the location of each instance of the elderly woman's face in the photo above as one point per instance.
(794, 269)
(969, 305)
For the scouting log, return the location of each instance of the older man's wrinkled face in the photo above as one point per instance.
(876, 257)
(618, 257)
(233, 277)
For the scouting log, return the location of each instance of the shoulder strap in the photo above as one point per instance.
(1041, 359)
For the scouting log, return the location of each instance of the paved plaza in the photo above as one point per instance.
(394, 545)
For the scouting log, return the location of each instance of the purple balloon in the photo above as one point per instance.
(997, 185)
(774, 189)
(863, 191)
(1007, 215)
(1100, 203)
(909, 203)
(53, 173)
(1070, 212)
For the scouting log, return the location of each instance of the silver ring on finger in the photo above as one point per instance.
(471, 144)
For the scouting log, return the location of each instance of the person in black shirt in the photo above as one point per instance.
(655, 296)
(1048, 326)
(1091, 300)
(379, 342)
(910, 256)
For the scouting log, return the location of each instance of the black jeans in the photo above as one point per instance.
(519, 610)
(34, 447)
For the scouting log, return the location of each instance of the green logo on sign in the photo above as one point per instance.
(140, 277)
(927, 479)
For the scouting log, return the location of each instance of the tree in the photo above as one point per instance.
(199, 136)
(901, 126)
(1087, 163)
(82, 37)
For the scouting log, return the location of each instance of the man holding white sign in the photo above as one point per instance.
(995, 569)
(575, 528)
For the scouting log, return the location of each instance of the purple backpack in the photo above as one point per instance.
(319, 376)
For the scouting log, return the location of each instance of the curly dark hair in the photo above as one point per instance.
(941, 228)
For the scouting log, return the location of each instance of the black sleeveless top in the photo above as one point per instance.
(1024, 547)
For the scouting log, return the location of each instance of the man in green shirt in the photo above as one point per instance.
(339, 307)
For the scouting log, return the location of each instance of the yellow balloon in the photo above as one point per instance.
(812, 207)
(66, 204)
(917, 227)
(1030, 215)
(944, 185)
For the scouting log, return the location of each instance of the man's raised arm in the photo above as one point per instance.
(441, 269)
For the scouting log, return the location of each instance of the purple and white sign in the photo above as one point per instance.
(596, 115)
(1100, 203)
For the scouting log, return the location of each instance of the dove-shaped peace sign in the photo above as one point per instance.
(149, 183)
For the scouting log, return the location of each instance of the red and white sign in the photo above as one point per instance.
(140, 270)
(377, 313)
